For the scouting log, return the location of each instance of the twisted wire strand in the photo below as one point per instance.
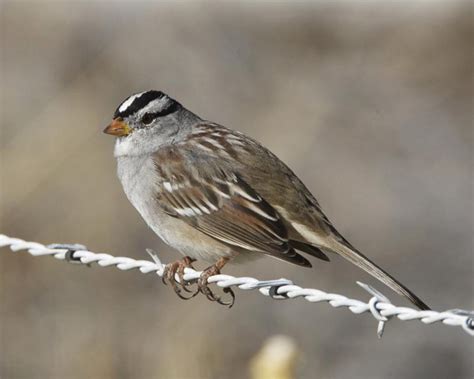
(378, 306)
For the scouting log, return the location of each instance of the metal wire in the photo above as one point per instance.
(378, 306)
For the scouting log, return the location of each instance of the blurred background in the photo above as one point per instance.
(370, 103)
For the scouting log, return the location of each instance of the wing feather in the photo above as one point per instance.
(222, 205)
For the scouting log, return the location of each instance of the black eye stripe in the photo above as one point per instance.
(173, 107)
(148, 118)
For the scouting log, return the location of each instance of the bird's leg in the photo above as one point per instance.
(203, 287)
(186, 262)
(177, 268)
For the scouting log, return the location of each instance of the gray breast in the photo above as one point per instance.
(139, 180)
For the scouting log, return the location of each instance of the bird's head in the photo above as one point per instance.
(146, 120)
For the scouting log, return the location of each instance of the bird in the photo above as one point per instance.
(216, 195)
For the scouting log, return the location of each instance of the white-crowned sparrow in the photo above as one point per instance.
(215, 194)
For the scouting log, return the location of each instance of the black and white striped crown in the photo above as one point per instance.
(137, 101)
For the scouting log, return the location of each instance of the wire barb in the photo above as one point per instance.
(71, 248)
(378, 306)
(377, 297)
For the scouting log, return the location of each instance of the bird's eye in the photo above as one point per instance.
(148, 118)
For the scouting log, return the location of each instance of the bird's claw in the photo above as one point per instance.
(203, 287)
(177, 268)
(179, 284)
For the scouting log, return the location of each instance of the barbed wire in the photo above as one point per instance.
(378, 306)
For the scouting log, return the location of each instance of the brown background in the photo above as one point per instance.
(370, 104)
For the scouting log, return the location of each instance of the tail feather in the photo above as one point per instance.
(370, 267)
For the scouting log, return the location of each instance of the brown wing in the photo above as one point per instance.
(222, 205)
(242, 217)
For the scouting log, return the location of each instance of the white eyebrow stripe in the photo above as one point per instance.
(129, 101)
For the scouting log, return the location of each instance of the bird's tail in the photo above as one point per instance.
(370, 267)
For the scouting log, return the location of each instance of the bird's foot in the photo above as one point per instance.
(177, 268)
(203, 285)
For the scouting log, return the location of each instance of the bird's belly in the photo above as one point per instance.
(189, 241)
(138, 178)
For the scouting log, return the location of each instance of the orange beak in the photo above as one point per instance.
(117, 128)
